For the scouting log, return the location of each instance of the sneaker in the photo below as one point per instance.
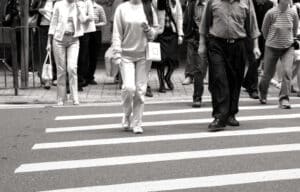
(196, 104)
(47, 85)
(60, 103)
(93, 82)
(126, 123)
(187, 81)
(76, 102)
(284, 104)
(138, 130)
(54, 83)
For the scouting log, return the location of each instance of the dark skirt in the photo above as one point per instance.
(169, 46)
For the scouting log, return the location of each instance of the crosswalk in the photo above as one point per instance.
(265, 131)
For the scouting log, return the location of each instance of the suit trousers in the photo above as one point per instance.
(66, 57)
(226, 72)
(135, 77)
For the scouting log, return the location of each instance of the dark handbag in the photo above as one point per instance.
(296, 45)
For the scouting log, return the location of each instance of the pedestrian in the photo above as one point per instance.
(296, 66)
(85, 41)
(169, 40)
(224, 28)
(66, 27)
(133, 27)
(250, 82)
(279, 28)
(197, 65)
(95, 39)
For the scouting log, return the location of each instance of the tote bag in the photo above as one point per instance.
(153, 52)
(110, 68)
(47, 74)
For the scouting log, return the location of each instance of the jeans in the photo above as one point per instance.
(272, 55)
(66, 57)
(226, 73)
(135, 77)
(197, 68)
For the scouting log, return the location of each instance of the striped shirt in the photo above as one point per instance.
(99, 15)
(280, 27)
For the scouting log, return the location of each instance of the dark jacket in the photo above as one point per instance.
(190, 27)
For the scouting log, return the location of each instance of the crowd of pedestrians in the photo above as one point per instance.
(232, 40)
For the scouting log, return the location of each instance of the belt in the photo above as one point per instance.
(228, 41)
(69, 33)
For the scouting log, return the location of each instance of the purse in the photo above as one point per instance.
(153, 52)
(110, 68)
(47, 74)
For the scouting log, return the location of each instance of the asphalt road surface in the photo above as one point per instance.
(83, 149)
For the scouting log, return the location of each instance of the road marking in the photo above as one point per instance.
(118, 103)
(194, 182)
(168, 123)
(164, 112)
(151, 158)
(144, 139)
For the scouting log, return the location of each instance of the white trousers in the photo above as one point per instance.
(66, 57)
(135, 77)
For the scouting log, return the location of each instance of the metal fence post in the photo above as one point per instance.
(24, 43)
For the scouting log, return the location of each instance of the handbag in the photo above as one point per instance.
(110, 68)
(153, 52)
(47, 74)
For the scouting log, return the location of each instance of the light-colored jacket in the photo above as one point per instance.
(88, 8)
(60, 18)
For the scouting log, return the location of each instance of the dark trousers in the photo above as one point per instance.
(251, 79)
(83, 59)
(198, 68)
(226, 73)
(94, 49)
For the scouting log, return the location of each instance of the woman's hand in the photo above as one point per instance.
(146, 27)
(180, 40)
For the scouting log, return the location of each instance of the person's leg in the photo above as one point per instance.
(235, 70)
(170, 71)
(94, 48)
(83, 60)
(127, 69)
(161, 76)
(59, 50)
(142, 69)
(218, 81)
(287, 60)
(270, 60)
(72, 59)
(200, 69)
(189, 68)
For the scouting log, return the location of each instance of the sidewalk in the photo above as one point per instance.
(107, 91)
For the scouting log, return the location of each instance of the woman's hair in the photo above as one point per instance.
(148, 11)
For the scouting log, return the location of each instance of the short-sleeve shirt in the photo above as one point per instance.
(229, 19)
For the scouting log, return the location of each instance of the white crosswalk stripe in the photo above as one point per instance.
(165, 112)
(149, 159)
(170, 122)
(188, 136)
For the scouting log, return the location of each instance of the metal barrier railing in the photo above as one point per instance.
(15, 67)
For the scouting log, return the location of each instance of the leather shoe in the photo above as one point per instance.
(196, 104)
(216, 125)
(231, 121)
(253, 95)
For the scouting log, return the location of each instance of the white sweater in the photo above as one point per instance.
(128, 38)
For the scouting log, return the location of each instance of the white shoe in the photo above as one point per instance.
(76, 102)
(138, 130)
(126, 123)
(60, 103)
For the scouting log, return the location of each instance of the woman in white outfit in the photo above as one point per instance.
(65, 29)
(134, 23)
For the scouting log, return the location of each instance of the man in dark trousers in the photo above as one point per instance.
(225, 26)
(251, 80)
(197, 66)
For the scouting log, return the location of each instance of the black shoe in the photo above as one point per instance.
(263, 101)
(196, 104)
(216, 125)
(231, 121)
(169, 83)
(253, 95)
(149, 92)
(162, 89)
(80, 89)
(93, 82)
